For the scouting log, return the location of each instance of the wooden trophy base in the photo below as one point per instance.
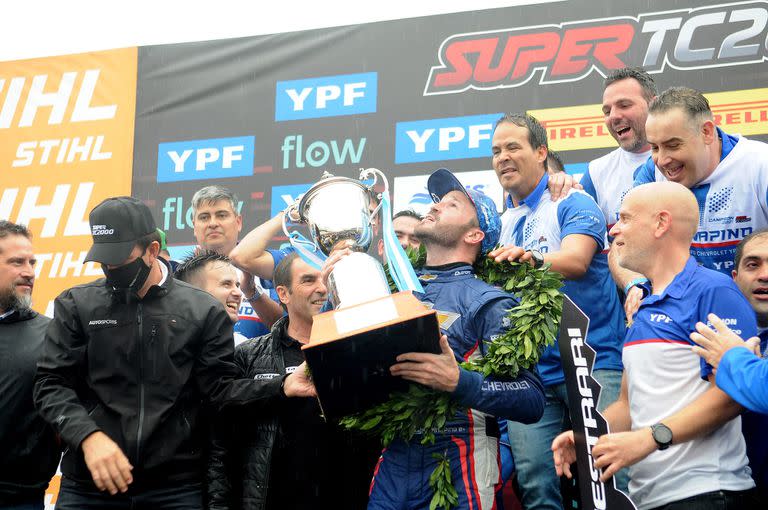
(350, 350)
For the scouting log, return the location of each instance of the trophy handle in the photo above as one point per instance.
(367, 173)
(290, 213)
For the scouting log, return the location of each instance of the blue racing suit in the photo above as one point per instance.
(470, 313)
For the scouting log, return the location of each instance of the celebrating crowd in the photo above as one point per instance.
(182, 384)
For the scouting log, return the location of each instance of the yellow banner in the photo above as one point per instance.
(743, 112)
(66, 125)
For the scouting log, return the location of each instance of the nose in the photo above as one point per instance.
(28, 270)
(614, 230)
(662, 159)
(237, 293)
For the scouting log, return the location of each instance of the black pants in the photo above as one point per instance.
(717, 500)
(74, 496)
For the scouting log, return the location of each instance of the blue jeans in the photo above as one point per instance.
(531, 444)
(176, 496)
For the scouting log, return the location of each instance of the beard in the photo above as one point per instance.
(12, 300)
(440, 235)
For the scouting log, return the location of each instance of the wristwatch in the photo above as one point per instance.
(538, 258)
(662, 435)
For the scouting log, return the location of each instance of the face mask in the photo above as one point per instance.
(131, 276)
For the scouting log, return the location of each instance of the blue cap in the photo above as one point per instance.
(442, 182)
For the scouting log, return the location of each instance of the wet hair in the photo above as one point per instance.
(282, 276)
(743, 243)
(190, 269)
(537, 135)
(557, 162)
(634, 73)
(408, 213)
(691, 101)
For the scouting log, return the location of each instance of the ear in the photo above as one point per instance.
(734, 274)
(709, 132)
(541, 154)
(663, 223)
(283, 294)
(474, 236)
(153, 250)
(239, 223)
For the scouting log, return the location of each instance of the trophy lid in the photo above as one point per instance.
(326, 180)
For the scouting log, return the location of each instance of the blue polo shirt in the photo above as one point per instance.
(538, 223)
(664, 376)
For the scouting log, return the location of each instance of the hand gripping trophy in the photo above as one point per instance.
(352, 347)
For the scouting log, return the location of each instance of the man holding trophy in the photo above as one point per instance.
(461, 225)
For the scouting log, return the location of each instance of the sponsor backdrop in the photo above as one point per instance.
(265, 116)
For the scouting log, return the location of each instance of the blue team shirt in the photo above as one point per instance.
(733, 200)
(694, 293)
(538, 223)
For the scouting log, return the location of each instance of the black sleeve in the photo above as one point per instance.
(63, 355)
(217, 373)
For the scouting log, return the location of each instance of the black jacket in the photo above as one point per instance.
(139, 371)
(244, 447)
(29, 449)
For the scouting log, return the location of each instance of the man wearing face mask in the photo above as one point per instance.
(127, 364)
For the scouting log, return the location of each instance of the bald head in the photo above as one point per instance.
(676, 200)
(656, 224)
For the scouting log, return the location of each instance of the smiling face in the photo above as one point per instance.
(681, 146)
(217, 226)
(752, 276)
(625, 110)
(633, 235)
(518, 166)
(306, 294)
(220, 280)
(17, 272)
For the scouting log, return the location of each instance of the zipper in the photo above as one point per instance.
(141, 384)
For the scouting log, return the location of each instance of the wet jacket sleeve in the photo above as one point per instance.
(58, 369)
(520, 399)
(217, 374)
(744, 377)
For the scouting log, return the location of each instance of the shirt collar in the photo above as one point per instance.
(533, 199)
(680, 282)
(728, 143)
(8, 313)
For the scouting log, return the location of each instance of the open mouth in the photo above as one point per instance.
(762, 292)
(623, 130)
(318, 302)
(673, 172)
(233, 306)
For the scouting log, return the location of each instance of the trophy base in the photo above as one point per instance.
(350, 351)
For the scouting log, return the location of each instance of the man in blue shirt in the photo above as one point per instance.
(679, 434)
(569, 234)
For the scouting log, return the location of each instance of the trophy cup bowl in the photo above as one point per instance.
(337, 213)
(352, 347)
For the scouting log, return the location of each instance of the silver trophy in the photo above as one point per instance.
(338, 214)
(351, 348)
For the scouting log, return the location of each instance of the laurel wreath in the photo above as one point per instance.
(426, 411)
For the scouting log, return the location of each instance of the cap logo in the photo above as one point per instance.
(101, 230)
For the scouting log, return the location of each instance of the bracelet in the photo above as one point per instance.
(256, 295)
(636, 281)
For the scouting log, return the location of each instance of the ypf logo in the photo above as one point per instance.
(329, 96)
(443, 139)
(216, 158)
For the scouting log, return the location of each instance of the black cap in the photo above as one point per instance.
(116, 224)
